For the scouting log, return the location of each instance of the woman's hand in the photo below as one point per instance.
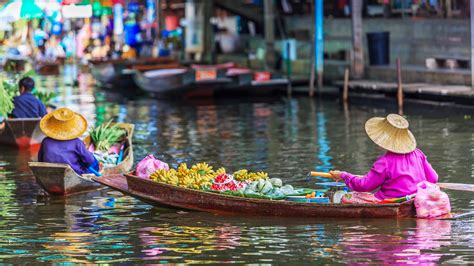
(336, 175)
(101, 167)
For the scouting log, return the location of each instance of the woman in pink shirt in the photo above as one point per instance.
(397, 172)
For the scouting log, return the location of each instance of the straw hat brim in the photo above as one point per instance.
(388, 137)
(63, 130)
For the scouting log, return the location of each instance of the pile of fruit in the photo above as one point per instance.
(203, 176)
(199, 176)
(242, 183)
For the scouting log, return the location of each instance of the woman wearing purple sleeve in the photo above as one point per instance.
(396, 173)
(62, 144)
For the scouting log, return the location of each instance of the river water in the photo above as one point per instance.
(285, 137)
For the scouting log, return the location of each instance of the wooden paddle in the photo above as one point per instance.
(321, 174)
(451, 186)
(457, 186)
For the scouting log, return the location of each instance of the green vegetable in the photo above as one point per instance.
(106, 135)
(260, 184)
(6, 101)
(298, 192)
(253, 186)
(276, 182)
(45, 97)
(267, 187)
(287, 189)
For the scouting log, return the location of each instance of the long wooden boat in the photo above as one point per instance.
(21, 132)
(113, 74)
(189, 199)
(61, 179)
(165, 82)
(209, 82)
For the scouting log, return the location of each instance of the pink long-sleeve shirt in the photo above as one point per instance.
(396, 174)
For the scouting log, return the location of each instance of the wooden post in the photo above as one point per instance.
(357, 44)
(159, 25)
(400, 88)
(288, 68)
(449, 10)
(208, 54)
(472, 44)
(313, 52)
(269, 18)
(345, 90)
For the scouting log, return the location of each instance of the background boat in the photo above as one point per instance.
(165, 82)
(48, 68)
(21, 132)
(118, 74)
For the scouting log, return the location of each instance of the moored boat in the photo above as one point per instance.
(61, 179)
(21, 132)
(165, 82)
(119, 73)
(178, 197)
(48, 68)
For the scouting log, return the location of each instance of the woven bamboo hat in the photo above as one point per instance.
(63, 124)
(391, 133)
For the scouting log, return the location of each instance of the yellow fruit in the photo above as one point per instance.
(220, 171)
(183, 170)
(241, 175)
(202, 169)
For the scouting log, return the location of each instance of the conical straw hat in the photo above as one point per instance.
(391, 133)
(63, 124)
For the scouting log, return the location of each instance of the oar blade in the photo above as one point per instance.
(457, 186)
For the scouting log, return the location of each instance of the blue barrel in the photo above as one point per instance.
(379, 48)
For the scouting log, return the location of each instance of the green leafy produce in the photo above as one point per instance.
(106, 135)
(45, 97)
(255, 195)
(6, 101)
(11, 86)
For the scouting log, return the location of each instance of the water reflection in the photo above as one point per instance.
(324, 145)
(418, 245)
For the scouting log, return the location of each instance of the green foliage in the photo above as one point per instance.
(6, 100)
(45, 97)
(11, 87)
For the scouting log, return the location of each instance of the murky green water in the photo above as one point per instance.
(285, 137)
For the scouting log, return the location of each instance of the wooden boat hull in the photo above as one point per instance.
(164, 85)
(21, 132)
(61, 179)
(15, 65)
(118, 74)
(183, 85)
(163, 194)
(48, 69)
(104, 73)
